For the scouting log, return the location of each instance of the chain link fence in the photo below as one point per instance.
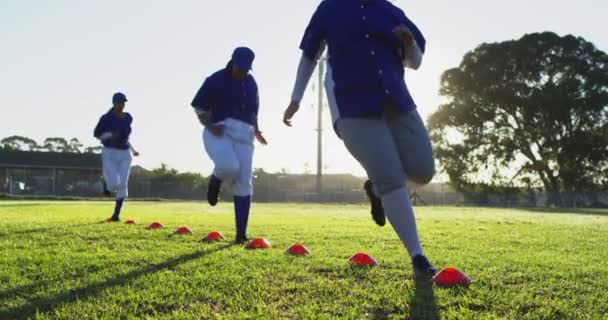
(30, 181)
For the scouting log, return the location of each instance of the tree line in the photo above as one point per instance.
(52, 144)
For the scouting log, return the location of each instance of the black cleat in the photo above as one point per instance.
(422, 267)
(106, 192)
(115, 219)
(241, 239)
(213, 190)
(376, 204)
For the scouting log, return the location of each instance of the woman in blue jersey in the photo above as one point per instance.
(227, 106)
(113, 130)
(370, 43)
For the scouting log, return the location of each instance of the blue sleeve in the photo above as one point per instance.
(420, 40)
(100, 128)
(129, 130)
(256, 106)
(202, 99)
(315, 33)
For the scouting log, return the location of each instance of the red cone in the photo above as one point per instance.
(362, 259)
(449, 277)
(183, 230)
(298, 250)
(130, 221)
(258, 243)
(214, 236)
(155, 225)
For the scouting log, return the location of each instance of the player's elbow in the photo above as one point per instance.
(414, 65)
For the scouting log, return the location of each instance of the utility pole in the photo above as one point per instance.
(320, 128)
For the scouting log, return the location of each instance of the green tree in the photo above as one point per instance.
(527, 111)
(75, 146)
(19, 143)
(56, 145)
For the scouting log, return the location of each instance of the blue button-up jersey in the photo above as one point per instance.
(119, 127)
(364, 55)
(227, 97)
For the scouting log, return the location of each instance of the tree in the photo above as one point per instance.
(532, 110)
(19, 143)
(56, 145)
(75, 146)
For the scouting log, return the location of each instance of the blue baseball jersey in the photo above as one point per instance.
(120, 127)
(226, 97)
(364, 55)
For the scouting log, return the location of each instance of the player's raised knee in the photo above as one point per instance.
(227, 170)
(423, 176)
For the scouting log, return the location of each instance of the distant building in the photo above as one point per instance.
(50, 173)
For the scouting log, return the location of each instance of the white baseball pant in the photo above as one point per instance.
(232, 155)
(116, 168)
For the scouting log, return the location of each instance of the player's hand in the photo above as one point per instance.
(135, 153)
(289, 112)
(216, 129)
(260, 137)
(405, 34)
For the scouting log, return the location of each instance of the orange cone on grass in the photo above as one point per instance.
(155, 225)
(183, 230)
(449, 277)
(362, 259)
(298, 250)
(258, 243)
(214, 236)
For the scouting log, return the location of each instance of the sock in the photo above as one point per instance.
(241, 210)
(117, 208)
(400, 213)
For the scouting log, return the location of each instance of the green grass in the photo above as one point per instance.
(59, 261)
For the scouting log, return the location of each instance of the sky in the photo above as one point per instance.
(61, 61)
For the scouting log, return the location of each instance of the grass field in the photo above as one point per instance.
(58, 260)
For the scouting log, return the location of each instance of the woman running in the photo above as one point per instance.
(113, 130)
(227, 106)
(370, 42)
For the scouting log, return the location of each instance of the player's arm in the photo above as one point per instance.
(101, 131)
(256, 128)
(306, 67)
(412, 54)
(312, 45)
(133, 151)
(204, 116)
(202, 107)
(413, 43)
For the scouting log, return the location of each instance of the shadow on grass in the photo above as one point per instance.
(590, 212)
(45, 229)
(46, 304)
(422, 304)
(19, 290)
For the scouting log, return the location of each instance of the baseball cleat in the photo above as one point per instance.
(376, 204)
(422, 267)
(213, 190)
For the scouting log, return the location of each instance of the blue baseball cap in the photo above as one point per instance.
(243, 58)
(119, 97)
